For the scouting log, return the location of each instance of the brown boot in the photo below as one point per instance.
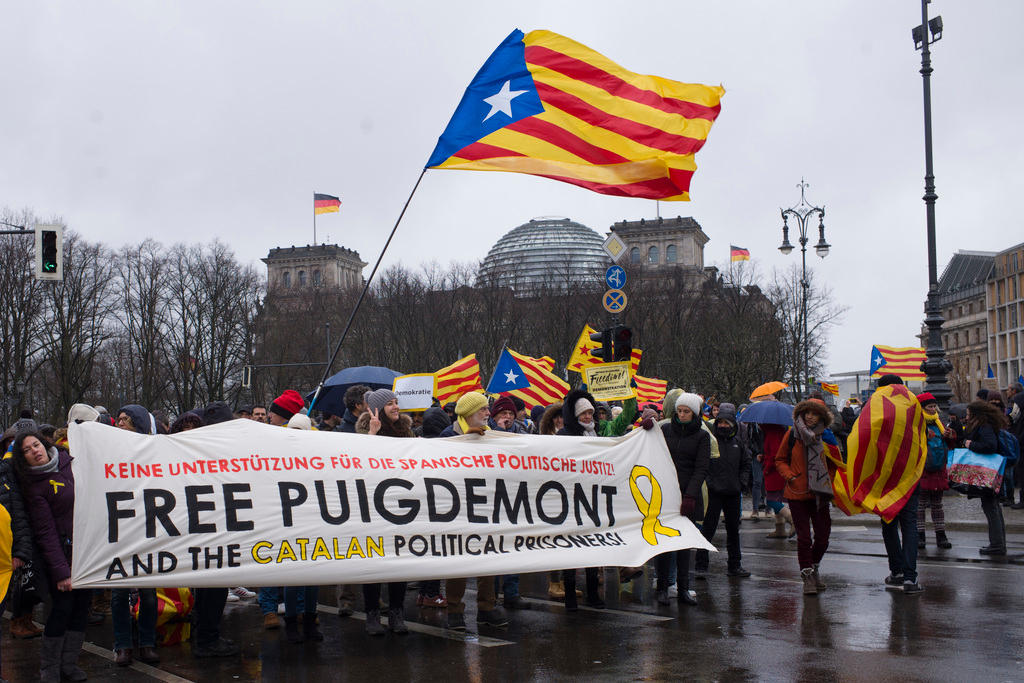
(101, 602)
(555, 590)
(780, 527)
(810, 585)
(22, 627)
(787, 518)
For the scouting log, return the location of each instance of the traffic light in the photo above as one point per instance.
(604, 351)
(49, 252)
(622, 338)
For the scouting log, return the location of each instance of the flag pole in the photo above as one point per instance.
(362, 295)
(314, 219)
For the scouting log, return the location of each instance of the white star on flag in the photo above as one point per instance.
(511, 377)
(502, 100)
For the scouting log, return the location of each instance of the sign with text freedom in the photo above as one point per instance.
(244, 503)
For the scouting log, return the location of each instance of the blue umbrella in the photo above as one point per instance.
(768, 413)
(332, 398)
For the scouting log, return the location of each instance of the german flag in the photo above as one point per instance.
(545, 387)
(886, 451)
(738, 253)
(649, 389)
(325, 203)
(459, 378)
(545, 105)
(903, 361)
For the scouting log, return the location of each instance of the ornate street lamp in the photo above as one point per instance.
(936, 366)
(801, 213)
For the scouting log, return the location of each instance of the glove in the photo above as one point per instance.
(647, 423)
(688, 506)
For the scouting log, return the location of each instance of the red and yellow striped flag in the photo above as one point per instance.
(545, 105)
(459, 378)
(830, 388)
(649, 389)
(886, 451)
(545, 387)
(902, 361)
(581, 357)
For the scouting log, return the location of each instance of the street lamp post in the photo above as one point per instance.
(936, 366)
(801, 212)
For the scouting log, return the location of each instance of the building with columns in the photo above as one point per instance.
(663, 242)
(292, 270)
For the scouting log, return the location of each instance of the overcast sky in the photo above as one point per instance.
(187, 120)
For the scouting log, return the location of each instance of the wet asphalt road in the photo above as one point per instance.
(967, 625)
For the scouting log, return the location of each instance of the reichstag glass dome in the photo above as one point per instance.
(547, 253)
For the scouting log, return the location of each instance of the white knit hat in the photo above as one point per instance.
(581, 406)
(300, 421)
(691, 401)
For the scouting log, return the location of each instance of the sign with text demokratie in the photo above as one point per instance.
(242, 503)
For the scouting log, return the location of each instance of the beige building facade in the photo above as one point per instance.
(1005, 302)
(297, 269)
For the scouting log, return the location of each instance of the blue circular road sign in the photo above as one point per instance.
(615, 277)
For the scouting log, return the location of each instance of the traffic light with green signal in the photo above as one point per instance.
(49, 252)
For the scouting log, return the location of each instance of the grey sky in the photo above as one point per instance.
(188, 120)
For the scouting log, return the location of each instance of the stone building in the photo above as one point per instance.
(295, 269)
(965, 332)
(1005, 299)
(663, 242)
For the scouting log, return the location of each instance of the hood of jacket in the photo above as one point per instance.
(570, 423)
(141, 419)
(434, 422)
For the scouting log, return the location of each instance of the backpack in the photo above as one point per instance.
(937, 451)
(1009, 447)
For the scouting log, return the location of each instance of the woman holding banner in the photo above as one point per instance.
(48, 486)
(383, 417)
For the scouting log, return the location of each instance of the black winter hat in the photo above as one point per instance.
(217, 412)
(435, 421)
(886, 380)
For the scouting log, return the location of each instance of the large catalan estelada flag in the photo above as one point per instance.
(904, 362)
(738, 253)
(545, 387)
(325, 203)
(886, 451)
(459, 378)
(545, 105)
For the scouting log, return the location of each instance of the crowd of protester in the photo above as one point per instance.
(718, 460)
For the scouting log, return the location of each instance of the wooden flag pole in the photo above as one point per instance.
(362, 295)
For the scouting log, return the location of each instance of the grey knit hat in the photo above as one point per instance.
(375, 400)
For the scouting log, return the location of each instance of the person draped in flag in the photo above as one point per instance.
(807, 464)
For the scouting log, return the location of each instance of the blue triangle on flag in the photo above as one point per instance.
(990, 373)
(508, 376)
(877, 360)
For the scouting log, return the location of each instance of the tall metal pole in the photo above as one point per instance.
(803, 282)
(936, 366)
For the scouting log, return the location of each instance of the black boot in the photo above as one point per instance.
(310, 631)
(942, 541)
(291, 630)
(569, 581)
(373, 625)
(396, 621)
(593, 596)
(50, 659)
(69, 656)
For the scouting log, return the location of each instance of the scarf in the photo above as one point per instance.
(819, 481)
(934, 421)
(686, 428)
(590, 429)
(48, 467)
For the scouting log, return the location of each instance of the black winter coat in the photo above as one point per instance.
(348, 423)
(10, 498)
(729, 473)
(691, 455)
(983, 440)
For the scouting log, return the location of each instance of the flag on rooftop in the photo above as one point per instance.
(325, 203)
(738, 253)
(543, 104)
(459, 378)
(904, 362)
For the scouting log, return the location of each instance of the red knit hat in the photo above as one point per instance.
(926, 398)
(503, 403)
(287, 404)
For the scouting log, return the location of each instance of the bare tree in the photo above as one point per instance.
(21, 305)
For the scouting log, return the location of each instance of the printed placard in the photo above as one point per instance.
(415, 392)
(609, 381)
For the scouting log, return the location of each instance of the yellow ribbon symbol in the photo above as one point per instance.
(55, 484)
(650, 509)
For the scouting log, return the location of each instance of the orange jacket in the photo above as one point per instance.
(791, 463)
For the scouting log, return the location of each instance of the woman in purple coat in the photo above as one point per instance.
(48, 487)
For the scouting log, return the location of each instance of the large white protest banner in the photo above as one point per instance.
(242, 503)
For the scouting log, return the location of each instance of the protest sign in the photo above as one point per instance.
(415, 392)
(609, 381)
(243, 503)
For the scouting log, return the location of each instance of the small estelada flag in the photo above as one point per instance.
(830, 388)
(325, 203)
(738, 253)
(508, 375)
